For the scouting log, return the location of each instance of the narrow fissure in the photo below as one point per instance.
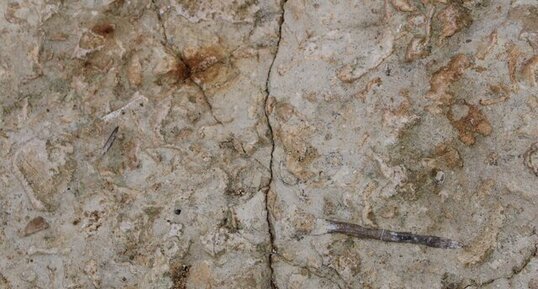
(272, 249)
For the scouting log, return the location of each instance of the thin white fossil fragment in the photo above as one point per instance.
(136, 100)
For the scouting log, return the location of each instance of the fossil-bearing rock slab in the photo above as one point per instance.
(198, 144)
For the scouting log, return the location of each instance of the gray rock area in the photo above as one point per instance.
(186, 144)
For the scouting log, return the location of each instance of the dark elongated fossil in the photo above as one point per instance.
(110, 140)
(332, 227)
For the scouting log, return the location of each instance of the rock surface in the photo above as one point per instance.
(194, 144)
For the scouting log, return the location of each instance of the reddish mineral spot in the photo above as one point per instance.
(453, 19)
(179, 274)
(448, 156)
(527, 17)
(199, 62)
(403, 5)
(208, 67)
(103, 29)
(416, 49)
(468, 120)
(501, 91)
(180, 71)
(513, 54)
(445, 76)
(35, 225)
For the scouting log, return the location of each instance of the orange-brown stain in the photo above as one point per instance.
(204, 64)
(474, 122)
(181, 72)
(103, 29)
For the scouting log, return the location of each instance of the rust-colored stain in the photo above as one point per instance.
(180, 72)
(445, 76)
(35, 225)
(104, 29)
(513, 53)
(453, 18)
(203, 58)
(473, 122)
(203, 64)
(448, 156)
(179, 274)
(469, 120)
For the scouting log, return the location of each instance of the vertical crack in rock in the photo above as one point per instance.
(166, 44)
(272, 139)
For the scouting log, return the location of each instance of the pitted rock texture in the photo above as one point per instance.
(196, 144)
